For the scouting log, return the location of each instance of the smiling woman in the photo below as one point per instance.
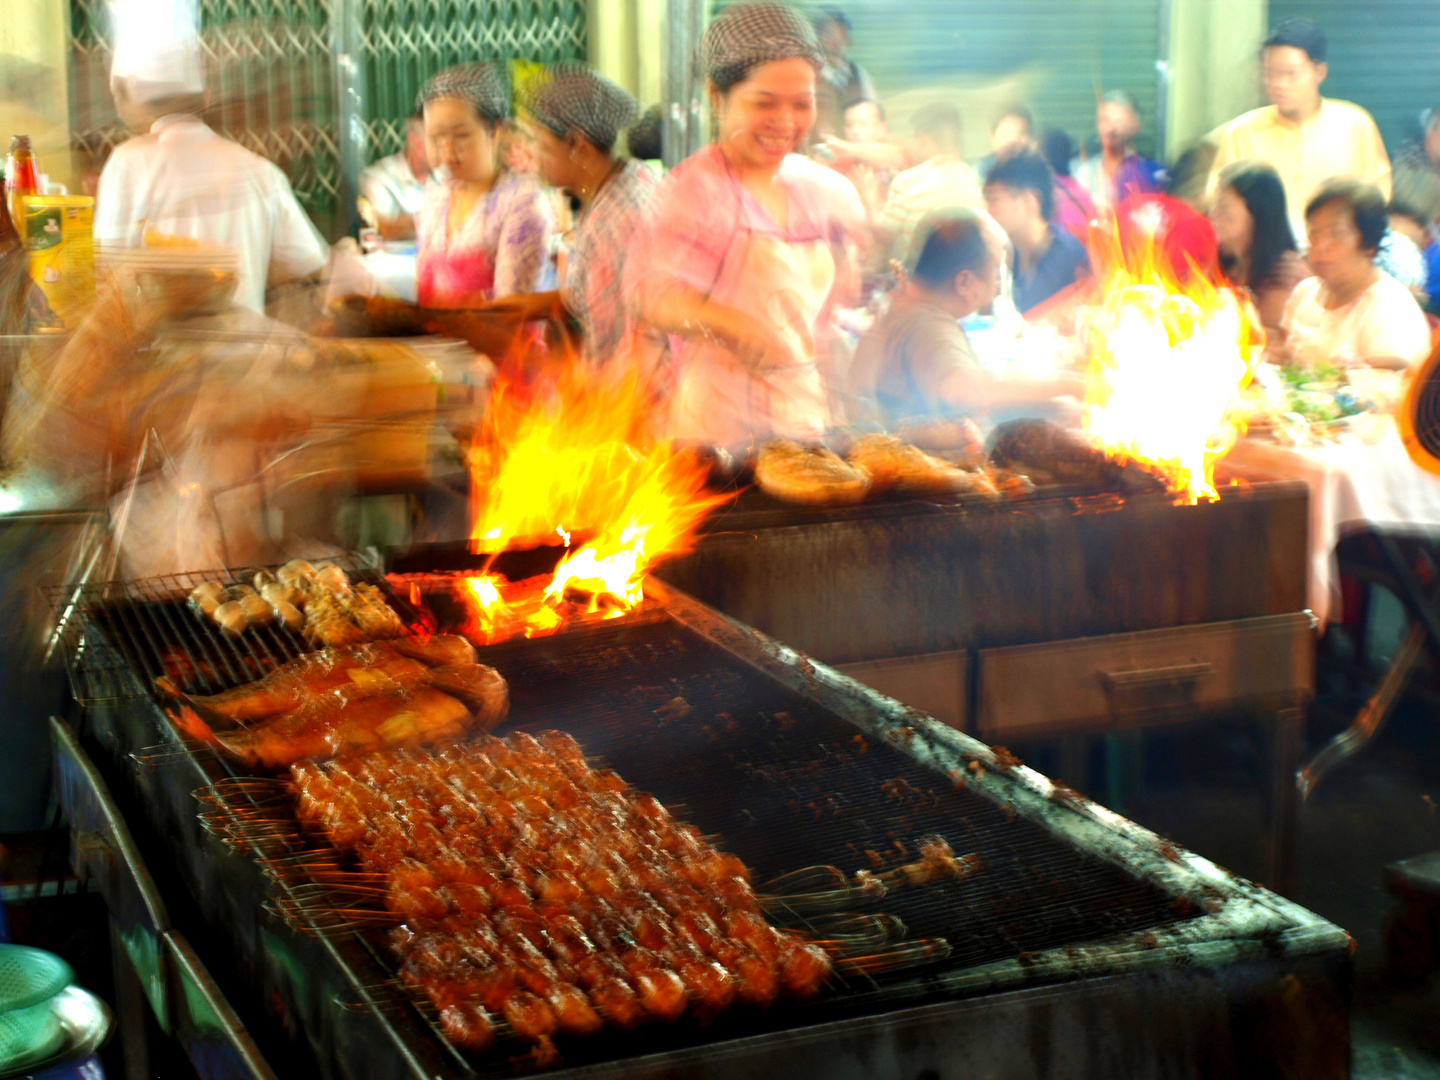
(744, 286)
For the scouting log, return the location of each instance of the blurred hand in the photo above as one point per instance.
(758, 346)
(526, 306)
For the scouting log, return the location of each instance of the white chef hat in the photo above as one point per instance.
(157, 48)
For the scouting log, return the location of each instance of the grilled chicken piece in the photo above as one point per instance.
(896, 466)
(810, 476)
(290, 686)
(439, 703)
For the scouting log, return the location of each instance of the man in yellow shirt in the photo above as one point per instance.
(1307, 138)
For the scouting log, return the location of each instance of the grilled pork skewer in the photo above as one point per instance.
(290, 686)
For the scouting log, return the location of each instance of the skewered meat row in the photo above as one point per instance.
(536, 888)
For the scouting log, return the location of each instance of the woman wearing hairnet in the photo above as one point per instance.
(484, 233)
(578, 115)
(739, 264)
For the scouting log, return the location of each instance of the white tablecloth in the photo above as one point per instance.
(1351, 484)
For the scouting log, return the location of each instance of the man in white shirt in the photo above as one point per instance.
(942, 181)
(180, 178)
(395, 185)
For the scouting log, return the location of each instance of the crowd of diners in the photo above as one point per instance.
(811, 266)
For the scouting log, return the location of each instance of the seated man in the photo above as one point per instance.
(1020, 195)
(395, 185)
(1351, 313)
(916, 363)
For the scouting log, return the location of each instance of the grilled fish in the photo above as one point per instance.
(290, 686)
(440, 703)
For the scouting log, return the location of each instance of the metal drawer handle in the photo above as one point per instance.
(1143, 678)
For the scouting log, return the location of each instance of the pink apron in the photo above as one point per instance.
(720, 401)
(450, 273)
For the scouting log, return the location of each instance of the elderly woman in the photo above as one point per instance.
(578, 115)
(1351, 313)
(484, 233)
(740, 264)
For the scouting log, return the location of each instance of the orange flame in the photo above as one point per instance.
(574, 458)
(1168, 357)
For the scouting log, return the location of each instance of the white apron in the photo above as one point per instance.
(720, 401)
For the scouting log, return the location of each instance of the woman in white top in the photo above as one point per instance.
(1351, 313)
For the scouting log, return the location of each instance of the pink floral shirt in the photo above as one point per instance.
(500, 251)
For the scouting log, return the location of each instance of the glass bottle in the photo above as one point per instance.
(22, 177)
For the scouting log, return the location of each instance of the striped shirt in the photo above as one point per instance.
(942, 183)
(593, 289)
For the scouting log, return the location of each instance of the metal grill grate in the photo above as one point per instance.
(783, 781)
(120, 636)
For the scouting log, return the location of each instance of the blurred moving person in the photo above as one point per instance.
(1118, 170)
(1415, 213)
(485, 232)
(1257, 248)
(865, 126)
(1422, 154)
(1074, 209)
(1401, 253)
(941, 180)
(1012, 133)
(645, 140)
(1190, 177)
(395, 185)
(181, 179)
(916, 363)
(579, 115)
(744, 240)
(1020, 195)
(841, 80)
(1351, 314)
(1309, 139)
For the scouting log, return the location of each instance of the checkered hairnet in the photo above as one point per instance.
(747, 34)
(485, 86)
(575, 95)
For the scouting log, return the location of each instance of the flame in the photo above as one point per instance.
(1168, 354)
(573, 458)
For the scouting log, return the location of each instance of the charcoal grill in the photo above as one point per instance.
(1063, 615)
(1088, 946)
